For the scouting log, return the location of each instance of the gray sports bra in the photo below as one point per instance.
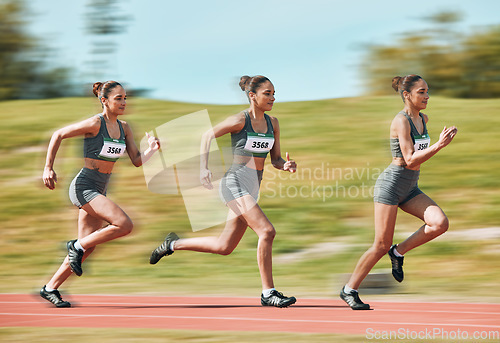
(420, 141)
(102, 146)
(247, 142)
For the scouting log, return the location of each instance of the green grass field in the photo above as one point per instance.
(340, 146)
(12, 335)
(78, 335)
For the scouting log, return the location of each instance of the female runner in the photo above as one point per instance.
(254, 134)
(106, 139)
(397, 187)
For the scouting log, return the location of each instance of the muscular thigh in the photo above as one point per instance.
(233, 231)
(385, 222)
(423, 207)
(240, 206)
(247, 211)
(104, 209)
(87, 224)
(256, 219)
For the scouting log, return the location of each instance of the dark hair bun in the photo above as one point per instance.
(96, 88)
(395, 82)
(244, 82)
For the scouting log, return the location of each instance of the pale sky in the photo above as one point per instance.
(195, 51)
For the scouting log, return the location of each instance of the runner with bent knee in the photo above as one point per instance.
(397, 187)
(254, 135)
(106, 139)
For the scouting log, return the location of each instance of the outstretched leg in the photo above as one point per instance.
(260, 224)
(235, 227)
(385, 221)
(224, 244)
(244, 212)
(86, 225)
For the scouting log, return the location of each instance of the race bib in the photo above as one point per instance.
(112, 149)
(422, 142)
(259, 143)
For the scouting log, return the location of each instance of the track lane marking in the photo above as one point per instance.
(246, 319)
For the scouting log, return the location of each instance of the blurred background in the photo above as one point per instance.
(195, 51)
(331, 63)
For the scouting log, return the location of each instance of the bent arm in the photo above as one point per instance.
(136, 157)
(230, 125)
(413, 158)
(276, 160)
(90, 126)
(206, 141)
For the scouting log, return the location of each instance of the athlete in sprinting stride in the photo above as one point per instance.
(106, 139)
(397, 187)
(254, 134)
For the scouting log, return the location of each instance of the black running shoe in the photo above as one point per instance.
(352, 299)
(277, 299)
(75, 257)
(54, 297)
(397, 265)
(163, 249)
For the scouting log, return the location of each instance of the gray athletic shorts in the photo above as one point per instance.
(87, 185)
(238, 181)
(396, 185)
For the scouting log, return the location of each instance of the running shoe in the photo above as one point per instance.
(75, 257)
(397, 265)
(163, 249)
(352, 299)
(54, 297)
(277, 299)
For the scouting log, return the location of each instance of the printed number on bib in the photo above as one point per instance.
(259, 142)
(258, 145)
(112, 149)
(422, 142)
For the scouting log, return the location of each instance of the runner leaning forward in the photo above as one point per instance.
(254, 135)
(106, 139)
(397, 187)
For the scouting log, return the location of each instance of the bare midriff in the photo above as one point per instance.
(256, 163)
(399, 161)
(104, 167)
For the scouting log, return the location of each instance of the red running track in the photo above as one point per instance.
(246, 314)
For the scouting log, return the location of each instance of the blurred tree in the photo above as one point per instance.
(13, 41)
(481, 64)
(381, 63)
(103, 22)
(23, 71)
(452, 64)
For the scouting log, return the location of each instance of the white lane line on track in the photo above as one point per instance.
(166, 297)
(341, 306)
(250, 319)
